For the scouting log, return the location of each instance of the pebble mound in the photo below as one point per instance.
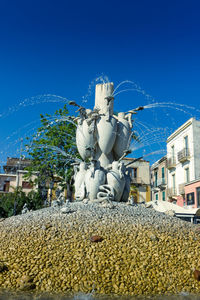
(141, 251)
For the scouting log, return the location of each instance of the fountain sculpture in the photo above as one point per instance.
(103, 140)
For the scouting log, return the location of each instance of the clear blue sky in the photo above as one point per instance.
(60, 47)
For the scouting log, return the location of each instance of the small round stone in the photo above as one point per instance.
(196, 274)
(96, 239)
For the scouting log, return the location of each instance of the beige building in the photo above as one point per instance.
(159, 179)
(140, 180)
(14, 176)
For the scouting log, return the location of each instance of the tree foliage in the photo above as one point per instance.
(53, 149)
(8, 200)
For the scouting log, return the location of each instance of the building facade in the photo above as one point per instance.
(192, 193)
(159, 180)
(140, 188)
(14, 172)
(14, 176)
(183, 162)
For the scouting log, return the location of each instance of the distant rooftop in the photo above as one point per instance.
(13, 164)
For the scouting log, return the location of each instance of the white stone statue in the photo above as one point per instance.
(25, 209)
(124, 127)
(95, 177)
(103, 139)
(79, 178)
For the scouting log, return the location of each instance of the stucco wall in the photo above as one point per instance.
(157, 167)
(178, 142)
(143, 170)
(196, 143)
(191, 188)
(14, 181)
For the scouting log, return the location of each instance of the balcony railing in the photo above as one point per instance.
(183, 155)
(171, 162)
(137, 180)
(181, 189)
(172, 192)
(161, 182)
(154, 186)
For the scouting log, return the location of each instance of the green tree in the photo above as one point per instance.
(15, 201)
(10, 200)
(34, 200)
(52, 150)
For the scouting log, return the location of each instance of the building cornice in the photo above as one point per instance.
(193, 181)
(178, 131)
(7, 175)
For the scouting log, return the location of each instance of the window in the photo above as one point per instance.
(6, 186)
(156, 196)
(26, 185)
(134, 173)
(173, 183)
(156, 178)
(198, 196)
(186, 144)
(173, 180)
(190, 199)
(163, 195)
(187, 175)
(163, 174)
(173, 154)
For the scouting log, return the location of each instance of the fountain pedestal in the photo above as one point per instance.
(102, 94)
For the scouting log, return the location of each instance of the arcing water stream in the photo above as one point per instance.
(151, 127)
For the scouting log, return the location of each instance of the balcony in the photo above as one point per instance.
(183, 155)
(172, 192)
(181, 188)
(171, 162)
(154, 186)
(161, 182)
(137, 180)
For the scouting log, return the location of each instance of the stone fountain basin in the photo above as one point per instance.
(142, 251)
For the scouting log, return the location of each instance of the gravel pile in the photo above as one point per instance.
(123, 250)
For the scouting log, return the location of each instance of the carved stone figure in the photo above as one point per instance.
(116, 179)
(123, 135)
(24, 209)
(95, 176)
(80, 189)
(103, 139)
